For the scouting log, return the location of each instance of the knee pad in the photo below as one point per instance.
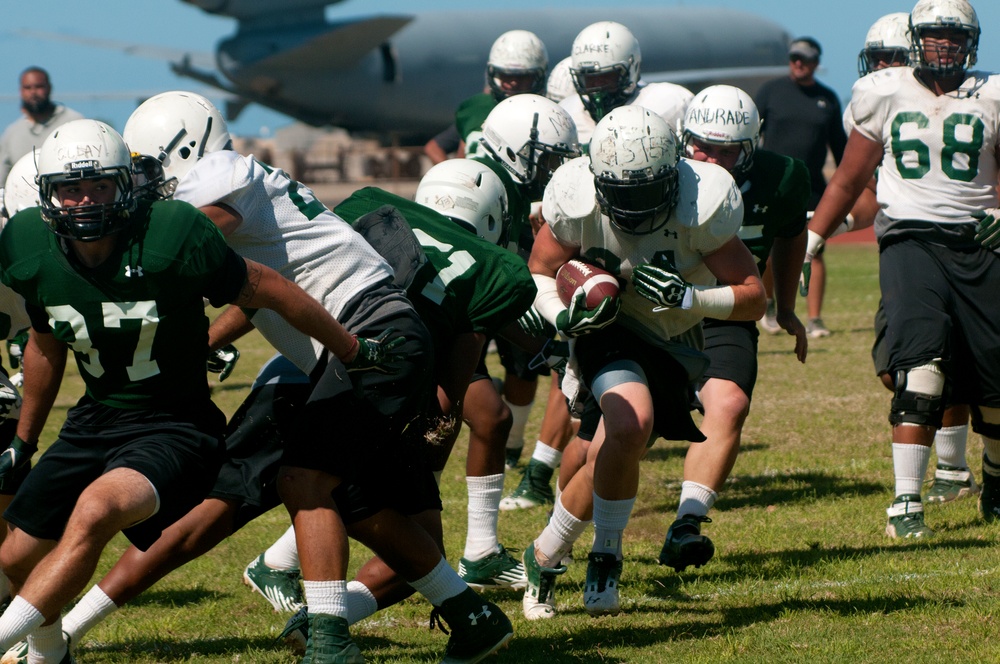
(986, 421)
(919, 396)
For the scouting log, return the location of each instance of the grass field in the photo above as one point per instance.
(803, 570)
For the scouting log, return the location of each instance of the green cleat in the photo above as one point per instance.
(951, 483)
(497, 570)
(281, 588)
(17, 654)
(685, 545)
(296, 631)
(478, 627)
(906, 518)
(511, 456)
(330, 642)
(600, 591)
(539, 601)
(534, 489)
(989, 499)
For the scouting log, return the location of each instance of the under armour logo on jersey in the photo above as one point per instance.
(759, 209)
(133, 271)
(474, 617)
(821, 103)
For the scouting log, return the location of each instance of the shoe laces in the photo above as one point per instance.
(437, 621)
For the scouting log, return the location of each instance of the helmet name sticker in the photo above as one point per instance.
(80, 152)
(724, 116)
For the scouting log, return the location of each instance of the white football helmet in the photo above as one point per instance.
(887, 41)
(560, 83)
(169, 133)
(85, 150)
(724, 114)
(605, 66)
(531, 136)
(20, 191)
(633, 155)
(930, 15)
(517, 53)
(469, 193)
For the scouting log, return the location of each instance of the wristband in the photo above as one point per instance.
(351, 350)
(712, 301)
(547, 301)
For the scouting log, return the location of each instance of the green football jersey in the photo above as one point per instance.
(469, 119)
(467, 284)
(136, 323)
(775, 203)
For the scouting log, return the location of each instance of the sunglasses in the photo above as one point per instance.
(798, 58)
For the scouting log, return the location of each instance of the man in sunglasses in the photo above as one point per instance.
(801, 119)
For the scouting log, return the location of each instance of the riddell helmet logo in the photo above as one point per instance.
(87, 165)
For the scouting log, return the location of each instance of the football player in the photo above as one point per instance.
(525, 139)
(722, 127)
(264, 213)
(518, 64)
(121, 282)
(605, 68)
(667, 227)
(933, 132)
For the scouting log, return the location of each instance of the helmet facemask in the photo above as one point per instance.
(962, 56)
(602, 89)
(87, 223)
(541, 160)
(641, 203)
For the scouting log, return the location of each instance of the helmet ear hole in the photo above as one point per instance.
(184, 152)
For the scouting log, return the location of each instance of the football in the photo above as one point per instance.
(595, 281)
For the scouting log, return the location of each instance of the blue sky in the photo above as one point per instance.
(105, 84)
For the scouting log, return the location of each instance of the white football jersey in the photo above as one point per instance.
(708, 214)
(668, 100)
(939, 162)
(13, 317)
(285, 228)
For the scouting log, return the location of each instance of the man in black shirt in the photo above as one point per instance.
(802, 118)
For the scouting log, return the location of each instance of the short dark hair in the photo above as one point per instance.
(34, 69)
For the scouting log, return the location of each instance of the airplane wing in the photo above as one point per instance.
(200, 59)
(338, 49)
(690, 76)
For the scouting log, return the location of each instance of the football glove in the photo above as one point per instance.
(10, 401)
(554, 354)
(15, 349)
(662, 286)
(988, 230)
(534, 324)
(223, 361)
(376, 354)
(814, 243)
(579, 320)
(15, 462)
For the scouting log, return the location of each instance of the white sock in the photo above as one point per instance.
(910, 465)
(515, 439)
(484, 511)
(329, 597)
(283, 554)
(558, 536)
(991, 449)
(550, 456)
(46, 644)
(949, 443)
(92, 608)
(610, 519)
(360, 602)
(442, 583)
(696, 499)
(17, 621)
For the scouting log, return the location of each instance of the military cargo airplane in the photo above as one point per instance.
(404, 73)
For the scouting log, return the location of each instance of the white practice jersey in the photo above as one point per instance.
(285, 228)
(709, 213)
(939, 161)
(668, 100)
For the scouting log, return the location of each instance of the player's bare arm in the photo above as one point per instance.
(229, 326)
(861, 157)
(787, 255)
(266, 289)
(733, 265)
(44, 364)
(225, 218)
(548, 254)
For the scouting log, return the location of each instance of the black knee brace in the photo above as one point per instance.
(915, 407)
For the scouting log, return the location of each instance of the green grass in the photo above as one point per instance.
(803, 569)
